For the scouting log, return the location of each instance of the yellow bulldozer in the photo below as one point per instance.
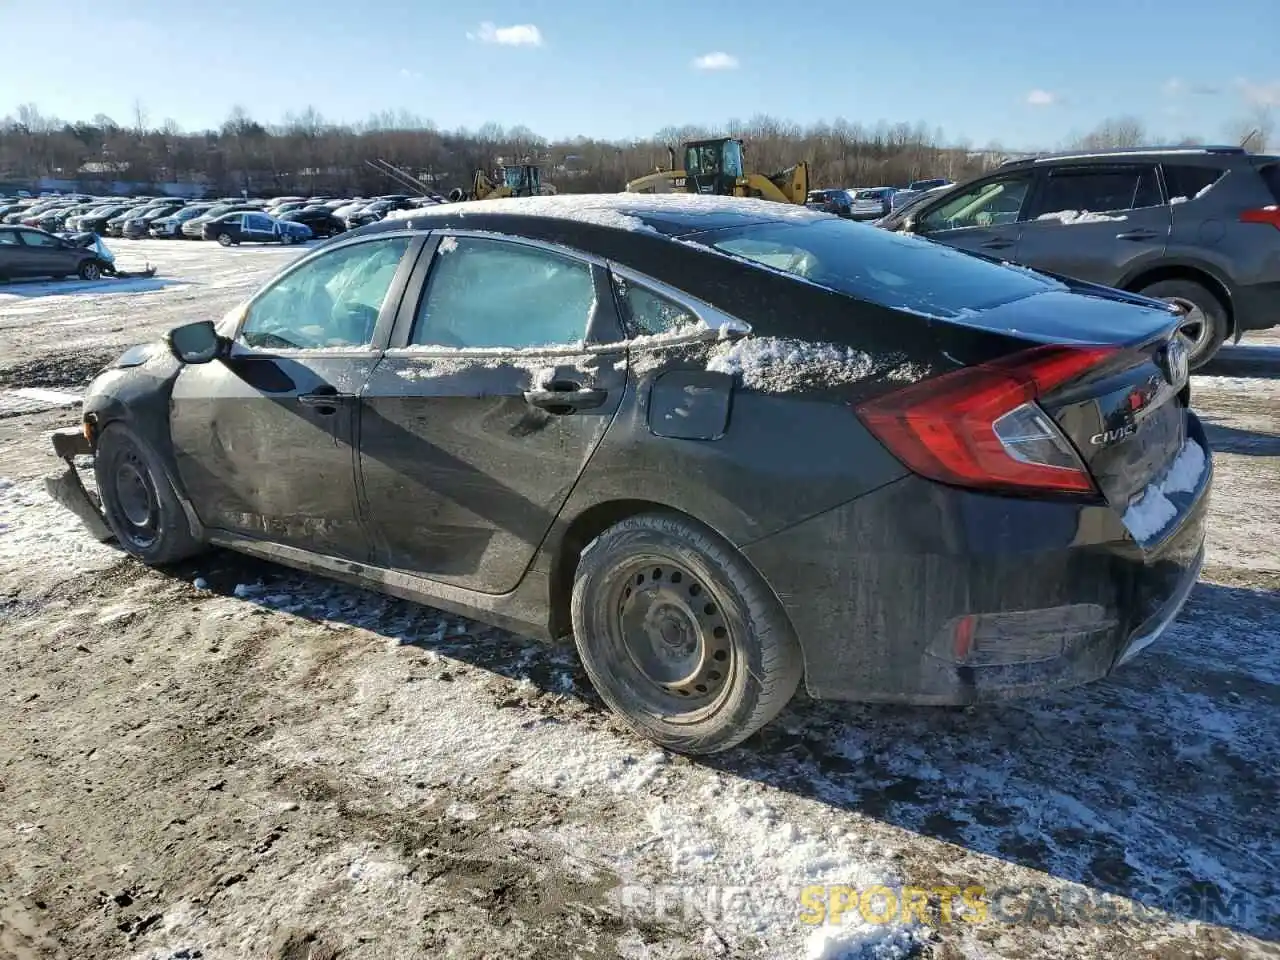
(514, 180)
(717, 167)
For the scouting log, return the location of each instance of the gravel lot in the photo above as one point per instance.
(231, 760)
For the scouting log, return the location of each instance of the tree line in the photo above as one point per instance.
(307, 154)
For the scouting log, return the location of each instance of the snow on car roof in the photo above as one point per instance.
(626, 211)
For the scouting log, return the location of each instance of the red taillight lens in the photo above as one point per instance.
(1268, 215)
(981, 427)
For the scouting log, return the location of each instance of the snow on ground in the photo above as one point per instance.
(235, 759)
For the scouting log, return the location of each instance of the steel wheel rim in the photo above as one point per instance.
(1193, 325)
(673, 636)
(136, 501)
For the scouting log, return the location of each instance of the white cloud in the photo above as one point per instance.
(1041, 98)
(407, 74)
(716, 61)
(518, 35)
(1176, 87)
(1260, 94)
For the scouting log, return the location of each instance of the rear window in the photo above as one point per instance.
(1186, 182)
(1271, 176)
(889, 269)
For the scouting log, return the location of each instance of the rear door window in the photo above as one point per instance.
(1186, 182)
(1071, 194)
(494, 293)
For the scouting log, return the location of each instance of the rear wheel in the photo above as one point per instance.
(140, 504)
(1203, 325)
(680, 635)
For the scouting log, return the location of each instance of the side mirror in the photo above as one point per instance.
(195, 342)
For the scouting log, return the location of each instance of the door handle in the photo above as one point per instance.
(1137, 235)
(325, 400)
(997, 244)
(572, 397)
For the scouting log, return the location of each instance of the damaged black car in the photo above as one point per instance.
(728, 445)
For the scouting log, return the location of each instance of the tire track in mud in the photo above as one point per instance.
(192, 690)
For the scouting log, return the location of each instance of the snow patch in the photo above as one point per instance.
(620, 211)
(24, 400)
(35, 528)
(1080, 216)
(776, 365)
(862, 942)
(1152, 511)
(448, 245)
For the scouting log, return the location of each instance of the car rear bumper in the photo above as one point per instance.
(1257, 307)
(920, 593)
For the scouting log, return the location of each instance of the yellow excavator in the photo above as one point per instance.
(716, 167)
(517, 180)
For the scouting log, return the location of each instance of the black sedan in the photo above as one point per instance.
(729, 444)
(320, 219)
(26, 253)
(230, 229)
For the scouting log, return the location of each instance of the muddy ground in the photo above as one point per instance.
(231, 760)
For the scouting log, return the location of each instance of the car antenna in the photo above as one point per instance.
(1252, 133)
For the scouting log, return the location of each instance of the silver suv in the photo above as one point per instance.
(1198, 227)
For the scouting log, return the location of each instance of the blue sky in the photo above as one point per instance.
(1020, 72)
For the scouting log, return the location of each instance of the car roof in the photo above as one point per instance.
(1127, 153)
(671, 215)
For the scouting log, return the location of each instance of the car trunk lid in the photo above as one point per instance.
(1128, 417)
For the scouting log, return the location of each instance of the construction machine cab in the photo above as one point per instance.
(713, 166)
(522, 180)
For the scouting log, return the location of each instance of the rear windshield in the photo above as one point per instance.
(1271, 174)
(890, 269)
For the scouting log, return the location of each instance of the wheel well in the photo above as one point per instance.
(1176, 272)
(586, 527)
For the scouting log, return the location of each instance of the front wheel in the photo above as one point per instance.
(1203, 324)
(140, 504)
(90, 270)
(680, 635)
(224, 239)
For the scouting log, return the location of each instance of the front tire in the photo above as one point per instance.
(680, 635)
(1204, 318)
(90, 270)
(140, 504)
(225, 239)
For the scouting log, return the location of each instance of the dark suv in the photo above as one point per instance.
(1198, 227)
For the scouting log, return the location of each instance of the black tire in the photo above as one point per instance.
(140, 504)
(225, 239)
(90, 270)
(661, 594)
(1207, 316)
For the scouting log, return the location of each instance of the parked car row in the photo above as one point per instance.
(229, 221)
(870, 203)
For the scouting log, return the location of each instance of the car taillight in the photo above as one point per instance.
(981, 427)
(1269, 215)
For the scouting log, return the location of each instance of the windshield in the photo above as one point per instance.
(890, 269)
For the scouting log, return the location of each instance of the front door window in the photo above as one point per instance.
(993, 203)
(330, 301)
